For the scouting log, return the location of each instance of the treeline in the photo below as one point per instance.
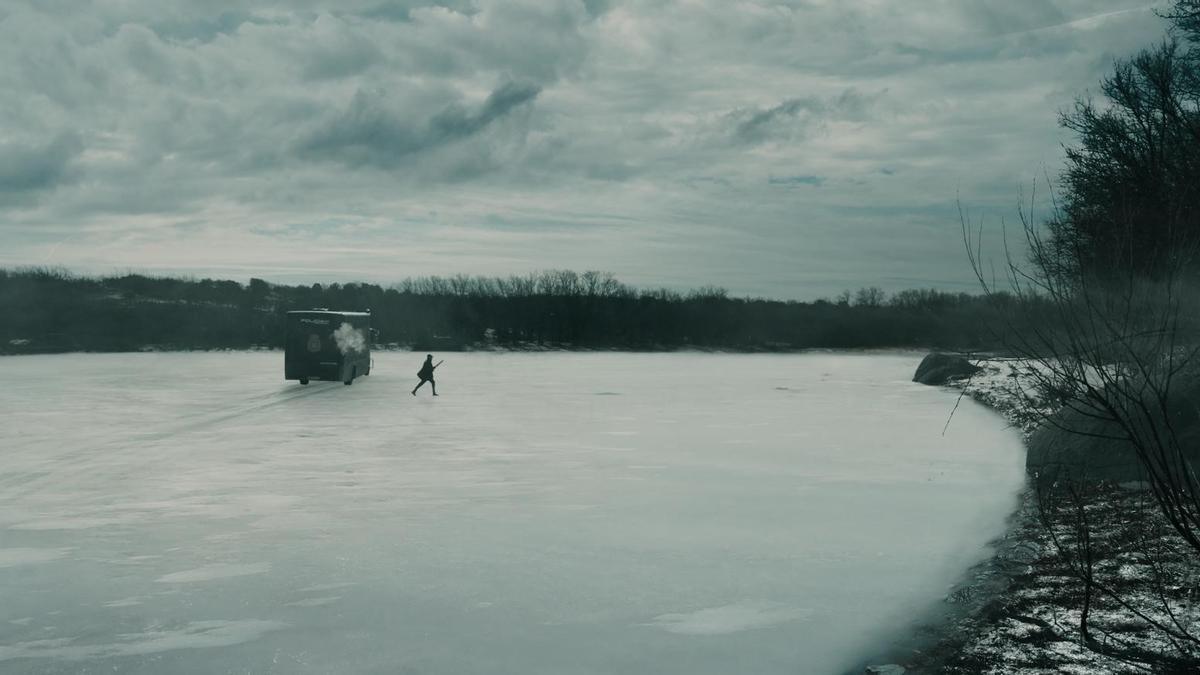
(1116, 373)
(51, 310)
(1128, 202)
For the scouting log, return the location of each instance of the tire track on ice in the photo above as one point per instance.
(68, 468)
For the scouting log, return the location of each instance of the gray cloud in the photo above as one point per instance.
(368, 133)
(796, 116)
(345, 56)
(671, 142)
(401, 10)
(598, 7)
(456, 123)
(757, 124)
(1012, 16)
(792, 181)
(26, 168)
(205, 28)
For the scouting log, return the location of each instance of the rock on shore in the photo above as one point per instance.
(938, 369)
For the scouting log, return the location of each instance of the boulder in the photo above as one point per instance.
(937, 369)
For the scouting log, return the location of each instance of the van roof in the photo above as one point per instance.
(328, 311)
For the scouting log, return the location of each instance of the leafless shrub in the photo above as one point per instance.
(1117, 357)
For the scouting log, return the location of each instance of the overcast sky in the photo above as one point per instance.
(788, 149)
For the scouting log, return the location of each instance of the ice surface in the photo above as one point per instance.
(549, 513)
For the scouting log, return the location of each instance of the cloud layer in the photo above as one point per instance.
(788, 149)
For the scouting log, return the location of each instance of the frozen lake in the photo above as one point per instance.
(547, 514)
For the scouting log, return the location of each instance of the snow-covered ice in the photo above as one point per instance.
(548, 513)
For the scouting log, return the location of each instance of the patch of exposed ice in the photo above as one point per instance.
(124, 602)
(129, 560)
(314, 602)
(327, 587)
(211, 572)
(740, 616)
(81, 523)
(11, 557)
(195, 635)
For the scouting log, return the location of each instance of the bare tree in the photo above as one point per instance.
(1118, 356)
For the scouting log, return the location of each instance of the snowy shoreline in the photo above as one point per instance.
(1016, 613)
(928, 643)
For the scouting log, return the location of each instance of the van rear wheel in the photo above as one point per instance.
(304, 380)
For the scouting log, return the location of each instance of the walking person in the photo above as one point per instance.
(426, 374)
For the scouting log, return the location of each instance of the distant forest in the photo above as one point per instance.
(51, 310)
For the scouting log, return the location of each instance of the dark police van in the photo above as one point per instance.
(323, 345)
